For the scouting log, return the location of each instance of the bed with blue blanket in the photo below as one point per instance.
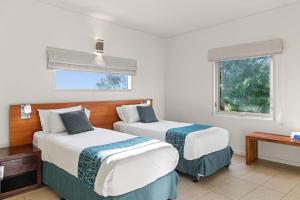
(108, 165)
(203, 149)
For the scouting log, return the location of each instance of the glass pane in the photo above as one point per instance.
(79, 80)
(245, 85)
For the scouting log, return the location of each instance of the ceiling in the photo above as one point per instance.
(167, 18)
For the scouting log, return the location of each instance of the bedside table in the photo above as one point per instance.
(22, 170)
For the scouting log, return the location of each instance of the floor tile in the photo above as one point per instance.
(43, 193)
(291, 172)
(187, 189)
(295, 192)
(261, 193)
(282, 183)
(258, 175)
(19, 197)
(235, 188)
(216, 179)
(239, 170)
(289, 197)
(213, 196)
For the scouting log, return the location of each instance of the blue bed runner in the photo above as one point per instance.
(91, 158)
(176, 136)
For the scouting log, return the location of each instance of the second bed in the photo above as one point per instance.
(205, 151)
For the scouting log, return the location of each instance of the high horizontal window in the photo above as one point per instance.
(244, 86)
(76, 70)
(81, 80)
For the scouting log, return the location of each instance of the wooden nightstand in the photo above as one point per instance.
(22, 170)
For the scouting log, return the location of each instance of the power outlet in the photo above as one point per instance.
(1, 172)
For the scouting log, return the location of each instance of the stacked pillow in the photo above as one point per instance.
(52, 122)
(76, 122)
(147, 114)
(135, 113)
(128, 113)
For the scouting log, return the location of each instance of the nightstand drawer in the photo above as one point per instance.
(18, 166)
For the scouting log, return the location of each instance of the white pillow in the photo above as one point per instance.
(44, 116)
(56, 124)
(87, 112)
(119, 111)
(130, 113)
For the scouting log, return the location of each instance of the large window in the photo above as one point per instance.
(80, 80)
(244, 86)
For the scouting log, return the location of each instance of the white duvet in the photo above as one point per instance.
(120, 173)
(197, 144)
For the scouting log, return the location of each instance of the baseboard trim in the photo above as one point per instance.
(264, 157)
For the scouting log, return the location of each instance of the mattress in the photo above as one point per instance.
(147, 163)
(197, 144)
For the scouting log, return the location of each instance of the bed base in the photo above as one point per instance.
(69, 187)
(206, 165)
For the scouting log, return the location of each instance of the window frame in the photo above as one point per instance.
(250, 115)
(130, 82)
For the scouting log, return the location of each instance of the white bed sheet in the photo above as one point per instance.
(118, 174)
(197, 144)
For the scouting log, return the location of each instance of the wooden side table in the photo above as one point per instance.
(22, 170)
(252, 143)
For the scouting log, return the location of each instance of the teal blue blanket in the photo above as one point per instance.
(176, 136)
(91, 158)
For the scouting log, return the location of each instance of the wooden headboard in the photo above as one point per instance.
(103, 115)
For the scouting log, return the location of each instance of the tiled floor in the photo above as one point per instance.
(260, 181)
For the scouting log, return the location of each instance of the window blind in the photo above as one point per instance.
(255, 49)
(82, 61)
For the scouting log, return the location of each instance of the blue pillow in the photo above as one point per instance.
(76, 122)
(147, 114)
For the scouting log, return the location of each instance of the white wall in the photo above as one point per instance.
(28, 26)
(189, 84)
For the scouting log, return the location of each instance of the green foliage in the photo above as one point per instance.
(245, 85)
(110, 81)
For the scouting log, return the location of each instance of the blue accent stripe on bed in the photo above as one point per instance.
(91, 158)
(176, 136)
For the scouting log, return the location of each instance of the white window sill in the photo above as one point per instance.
(245, 115)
